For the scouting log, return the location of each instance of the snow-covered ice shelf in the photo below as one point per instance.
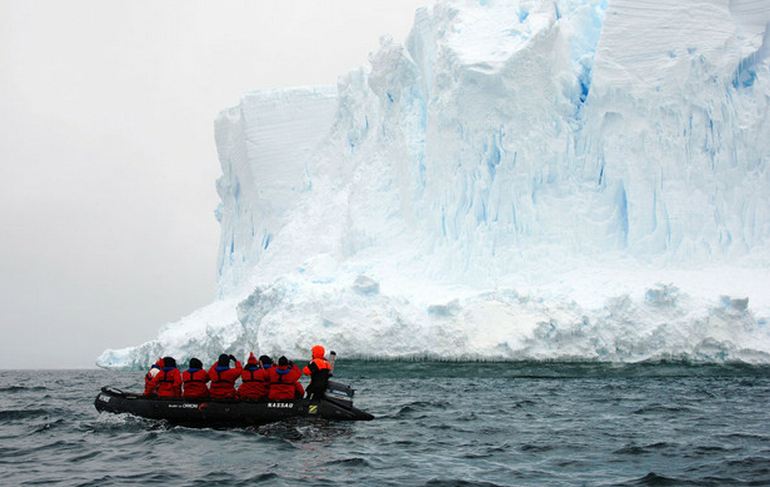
(574, 179)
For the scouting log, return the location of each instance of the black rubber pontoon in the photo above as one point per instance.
(337, 404)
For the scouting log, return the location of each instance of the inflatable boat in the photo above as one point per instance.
(337, 404)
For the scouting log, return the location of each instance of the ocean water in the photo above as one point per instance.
(438, 424)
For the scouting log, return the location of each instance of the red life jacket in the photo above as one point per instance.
(319, 363)
(168, 382)
(254, 383)
(223, 381)
(283, 383)
(195, 383)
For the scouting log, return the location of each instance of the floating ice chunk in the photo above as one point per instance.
(449, 309)
(366, 285)
(735, 304)
(664, 295)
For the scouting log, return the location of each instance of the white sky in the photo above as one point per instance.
(107, 156)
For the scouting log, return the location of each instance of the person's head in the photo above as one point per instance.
(318, 351)
(252, 360)
(265, 361)
(224, 360)
(169, 362)
(195, 363)
(283, 361)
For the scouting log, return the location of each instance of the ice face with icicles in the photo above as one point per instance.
(518, 180)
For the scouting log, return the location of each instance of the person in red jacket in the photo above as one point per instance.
(223, 377)
(284, 381)
(194, 380)
(168, 382)
(255, 379)
(149, 389)
(319, 369)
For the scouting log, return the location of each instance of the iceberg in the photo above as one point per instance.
(519, 180)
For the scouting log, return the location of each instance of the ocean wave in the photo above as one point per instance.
(20, 388)
(21, 414)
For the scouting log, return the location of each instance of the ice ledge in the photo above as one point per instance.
(266, 146)
(365, 317)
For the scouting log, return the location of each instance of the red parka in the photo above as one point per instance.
(223, 380)
(168, 382)
(149, 388)
(194, 381)
(255, 380)
(284, 383)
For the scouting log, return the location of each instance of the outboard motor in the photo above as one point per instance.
(340, 393)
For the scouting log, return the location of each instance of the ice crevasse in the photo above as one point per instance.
(559, 180)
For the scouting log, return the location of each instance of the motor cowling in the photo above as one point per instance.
(339, 392)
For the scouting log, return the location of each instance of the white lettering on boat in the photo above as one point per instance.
(183, 406)
(286, 405)
(104, 398)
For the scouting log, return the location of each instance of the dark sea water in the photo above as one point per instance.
(438, 424)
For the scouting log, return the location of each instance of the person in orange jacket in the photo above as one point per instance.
(223, 377)
(284, 381)
(319, 369)
(194, 380)
(255, 379)
(168, 382)
(154, 369)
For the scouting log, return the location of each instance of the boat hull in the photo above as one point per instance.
(224, 413)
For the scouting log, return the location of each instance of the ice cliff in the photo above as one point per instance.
(570, 179)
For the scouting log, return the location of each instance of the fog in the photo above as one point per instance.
(107, 156)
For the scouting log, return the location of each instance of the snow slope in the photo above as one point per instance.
(575, 179)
